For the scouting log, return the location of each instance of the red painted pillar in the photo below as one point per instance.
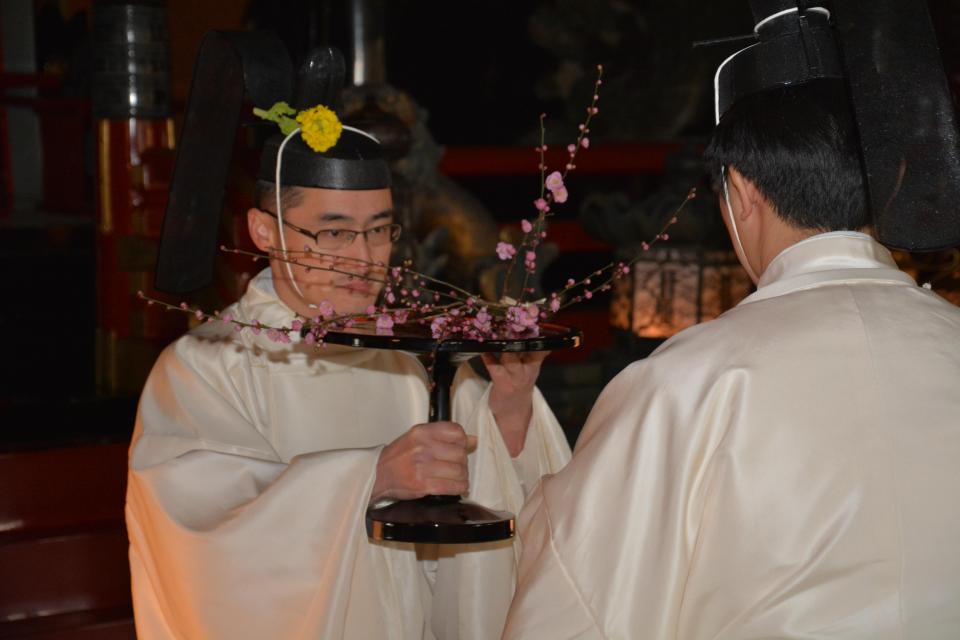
(135, 143)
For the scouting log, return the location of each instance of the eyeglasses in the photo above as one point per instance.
(333, 239)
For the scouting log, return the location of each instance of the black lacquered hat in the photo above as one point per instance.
(886, 52)
(355, 162)
(234, 68)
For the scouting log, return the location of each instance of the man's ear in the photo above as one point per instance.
(262, 229)
(745, 192)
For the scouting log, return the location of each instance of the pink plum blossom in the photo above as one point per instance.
(482, 321)
(523, 319)
(554, 181)
(541, 204)
(560, 195)
(526, 226)
(438, 326)
(326, 309)
(505, 250)
(384, 324)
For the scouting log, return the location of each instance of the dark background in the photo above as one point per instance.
(482, 72)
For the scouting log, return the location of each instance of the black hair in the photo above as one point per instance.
(798, 145)
(265, 196)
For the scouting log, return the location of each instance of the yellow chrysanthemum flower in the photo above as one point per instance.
(319, 127)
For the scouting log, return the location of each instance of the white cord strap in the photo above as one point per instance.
(756, 27)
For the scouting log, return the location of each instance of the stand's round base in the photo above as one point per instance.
(439, 520)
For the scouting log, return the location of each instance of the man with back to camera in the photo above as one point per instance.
(787, 470)
(253, 461)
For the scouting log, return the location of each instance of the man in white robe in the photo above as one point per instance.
(252, 467)
(788, 470)
(253, 462)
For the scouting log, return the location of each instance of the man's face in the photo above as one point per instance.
(344, 272)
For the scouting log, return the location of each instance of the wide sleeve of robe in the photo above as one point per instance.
(235, 542)
(624, 477)
(787, 470)
(232, 536)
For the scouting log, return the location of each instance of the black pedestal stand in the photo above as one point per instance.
(445, 519)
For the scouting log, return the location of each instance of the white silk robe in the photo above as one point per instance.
(788, 470)
(250, 472)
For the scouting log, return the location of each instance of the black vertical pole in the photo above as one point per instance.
(443, 372)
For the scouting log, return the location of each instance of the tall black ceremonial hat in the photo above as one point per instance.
(792, 47)
(355, 162)
(886, 52)
(230, 66)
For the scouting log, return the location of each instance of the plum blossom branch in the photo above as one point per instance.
(553, 190)
(408, 296)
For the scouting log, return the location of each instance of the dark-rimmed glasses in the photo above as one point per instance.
(334, 239)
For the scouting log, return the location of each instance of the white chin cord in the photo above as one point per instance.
(283, 241)
(277, 186)
(737, 245)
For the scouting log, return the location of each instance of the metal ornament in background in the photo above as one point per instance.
(674, 287)
(452, 235)
(692, 278)
(366, 21)
(131, 60)
(369, 84)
